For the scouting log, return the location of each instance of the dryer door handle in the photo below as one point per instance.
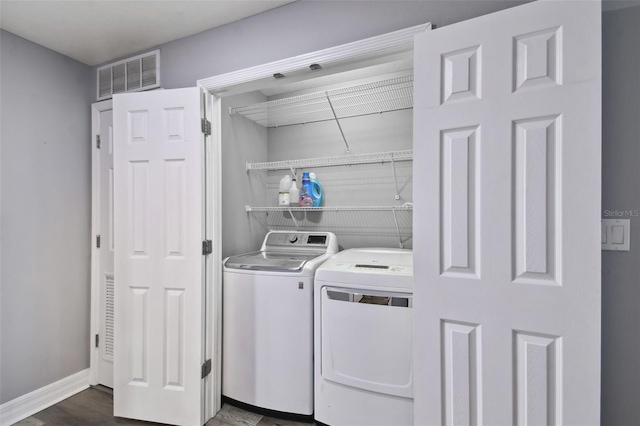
(381, 298)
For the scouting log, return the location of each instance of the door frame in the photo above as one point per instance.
(333, 60)
(212, 291)
(96, 321)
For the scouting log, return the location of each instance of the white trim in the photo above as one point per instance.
(210, 342)
(94, 358)
(385, 43)
(33, 402)
(216, 219)
(213, 338)
(214, 231)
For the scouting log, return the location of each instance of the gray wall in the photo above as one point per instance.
(46, 215)
(621, 191)
(298, 28)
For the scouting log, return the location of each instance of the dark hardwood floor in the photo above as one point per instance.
(94, 406)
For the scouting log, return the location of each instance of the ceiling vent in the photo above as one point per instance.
(134, 74)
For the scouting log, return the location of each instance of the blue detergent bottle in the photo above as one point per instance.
(306, 191)
(316, 190)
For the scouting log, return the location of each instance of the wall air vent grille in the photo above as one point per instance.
(109, 307)
(134, 74)
(119, 78)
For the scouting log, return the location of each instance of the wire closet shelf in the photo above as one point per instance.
(342, 160)
(403, 207)
(364, 99)
(302, 223)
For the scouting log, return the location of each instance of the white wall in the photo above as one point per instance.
(45, 192)
(358, 185)
(242, 141)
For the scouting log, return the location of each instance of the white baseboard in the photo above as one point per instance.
(29, 404)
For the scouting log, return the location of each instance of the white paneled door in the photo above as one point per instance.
(506, 231)
(159, 218)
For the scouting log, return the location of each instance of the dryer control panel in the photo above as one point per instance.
(371, 267)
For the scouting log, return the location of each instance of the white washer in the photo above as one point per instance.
(364, 338)
(267, 346)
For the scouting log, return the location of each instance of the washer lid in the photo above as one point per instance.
(271, 261)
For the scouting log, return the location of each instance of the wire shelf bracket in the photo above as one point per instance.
(395, 219)
(294, 219)
(338, 122)
(395, 180)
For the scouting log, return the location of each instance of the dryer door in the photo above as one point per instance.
(367, 340)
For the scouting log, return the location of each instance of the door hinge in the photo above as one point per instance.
(98, 241)
(205, 126)
(97, 340)
(207, 247)
(98, 141)
(206, 368)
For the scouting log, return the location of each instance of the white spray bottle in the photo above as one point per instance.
(283, 192)
(294, 193)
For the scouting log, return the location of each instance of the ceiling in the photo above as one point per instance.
(98, 31)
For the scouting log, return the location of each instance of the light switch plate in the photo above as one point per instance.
(616, 234)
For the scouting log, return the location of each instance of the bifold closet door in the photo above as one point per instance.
(507, 134)
(159, 296)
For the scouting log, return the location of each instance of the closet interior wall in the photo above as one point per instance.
(242, 141)
(354, 185)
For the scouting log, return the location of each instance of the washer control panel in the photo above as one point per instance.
(298, 239)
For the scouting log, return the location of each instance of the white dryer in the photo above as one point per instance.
(267, 346)
(363, 338)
